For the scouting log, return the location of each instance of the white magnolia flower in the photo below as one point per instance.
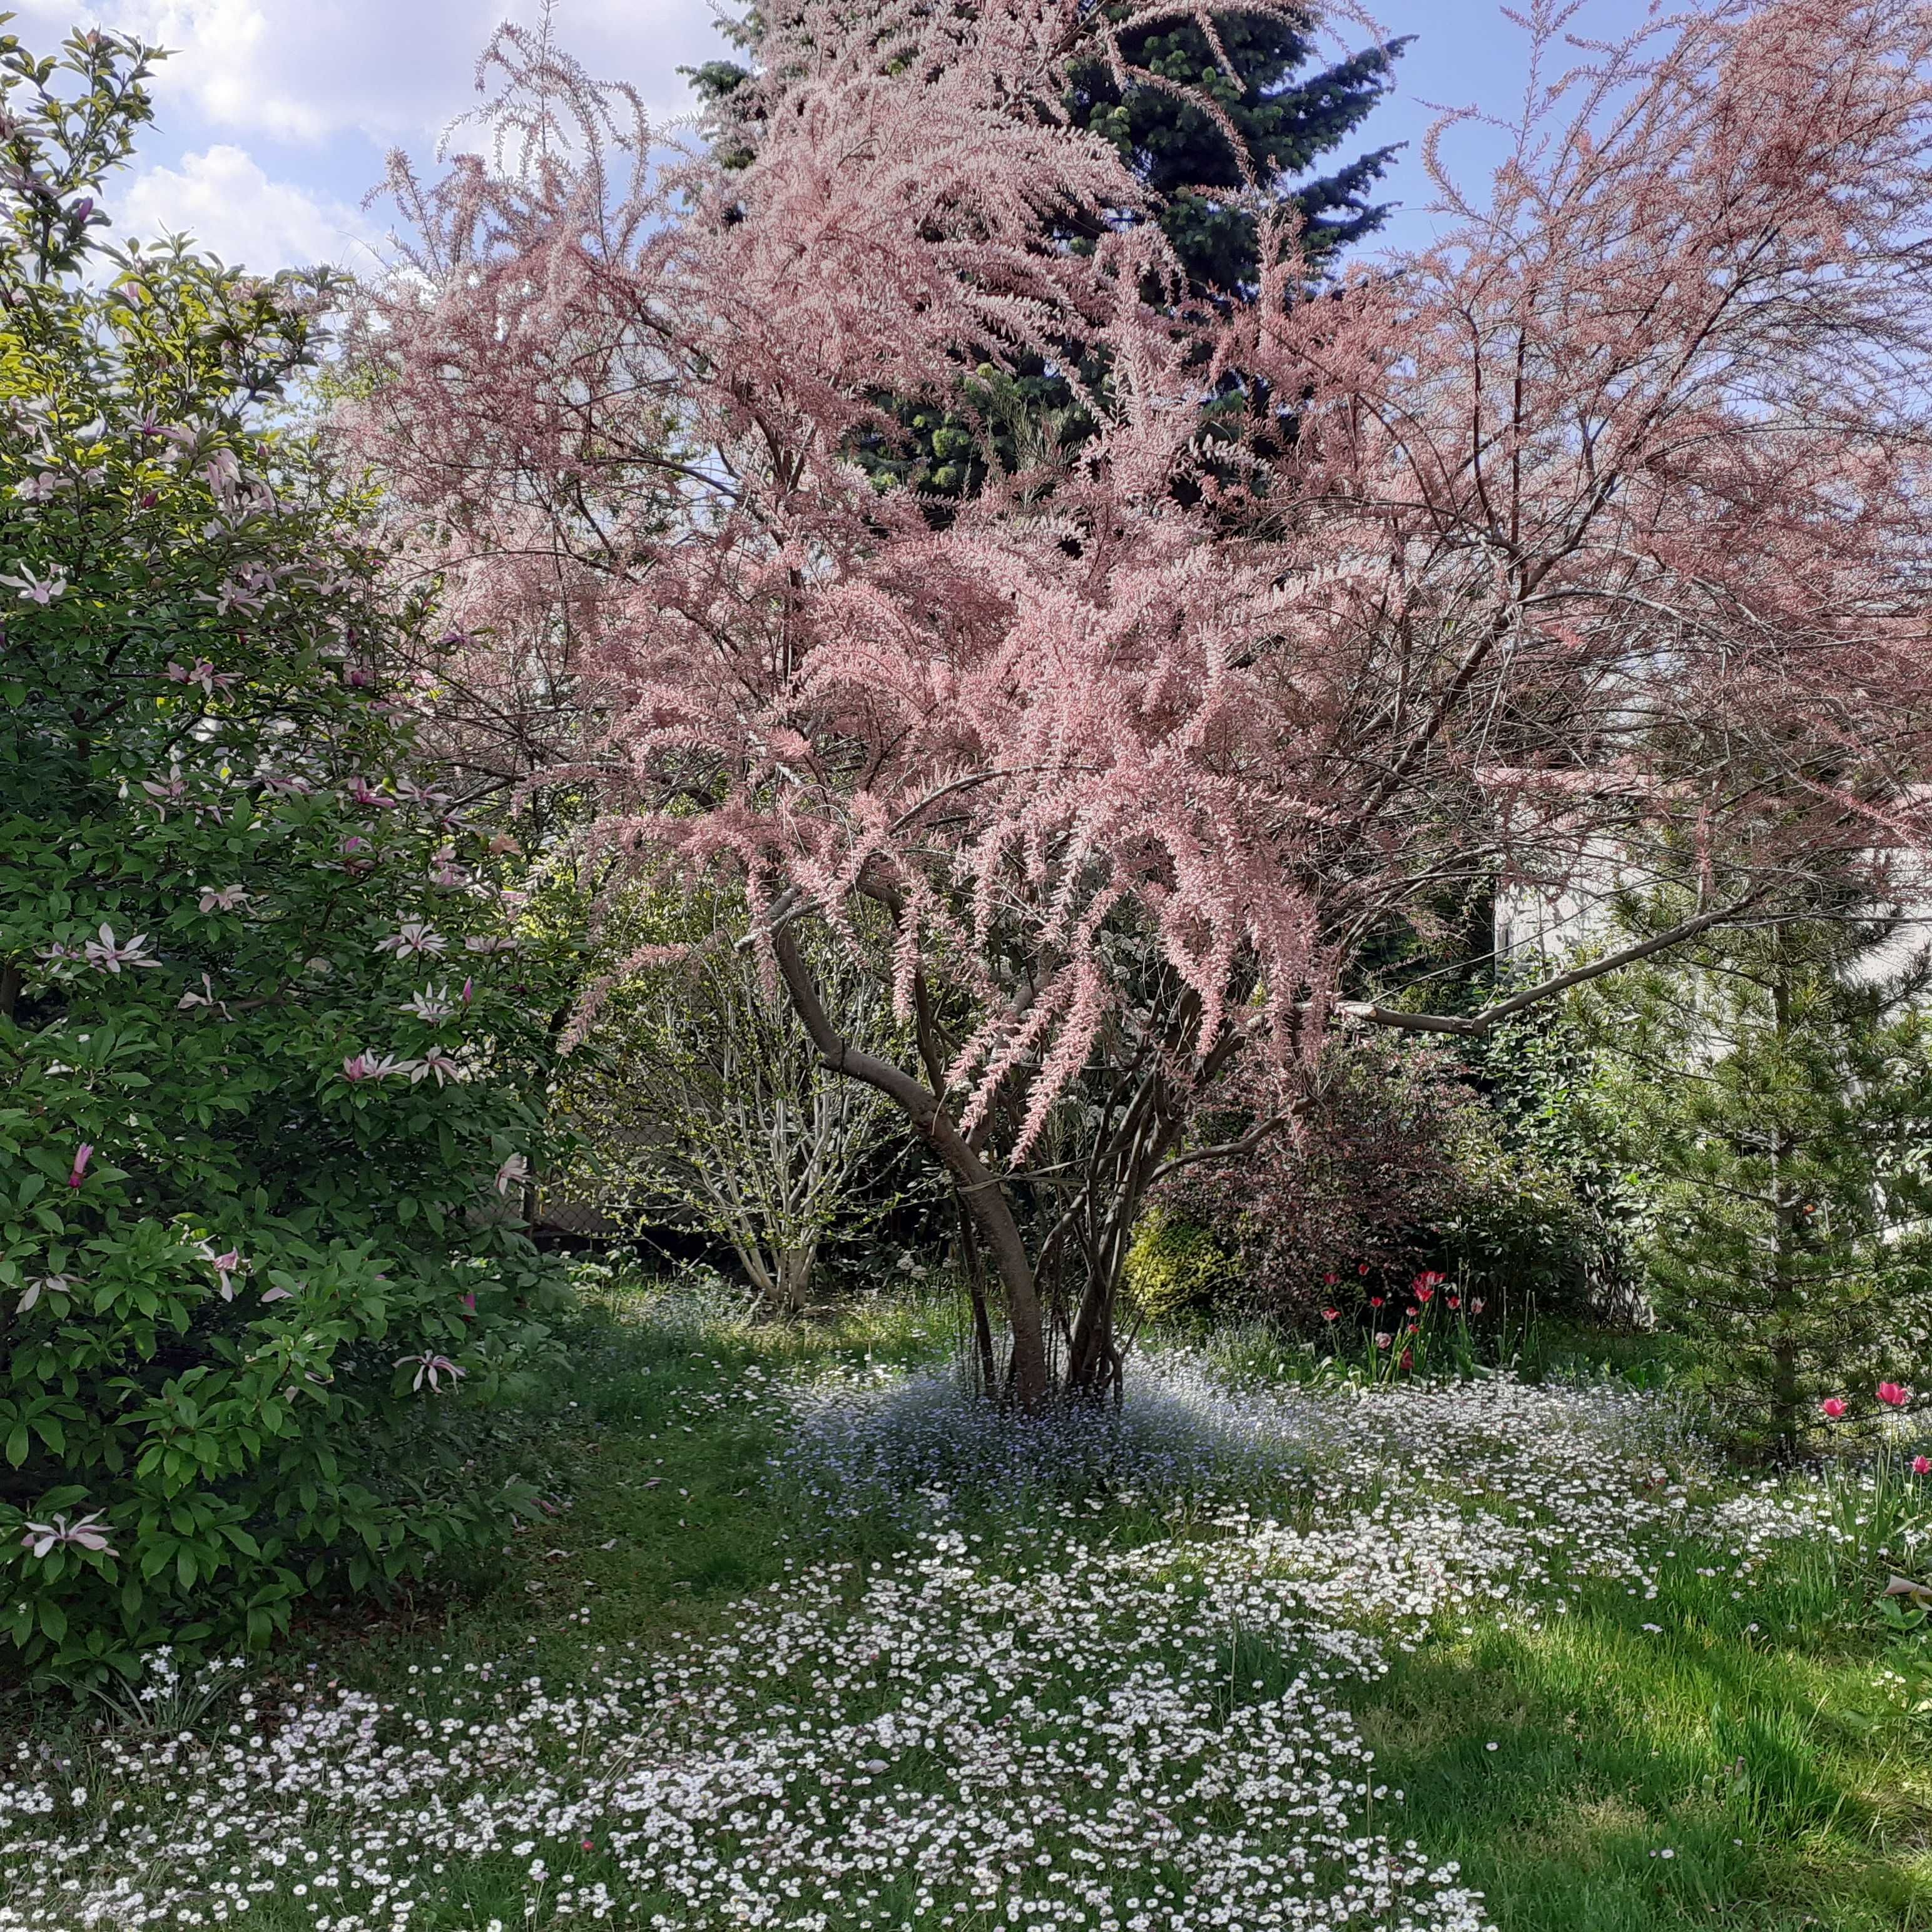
(417, 936)
(47, 1284)
(429, 1368)
(432, 1004)
(435, 1061)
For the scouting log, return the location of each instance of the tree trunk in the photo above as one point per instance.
(794, 1277)
(974, 1276)
(1786, 1397)
(979, 1189)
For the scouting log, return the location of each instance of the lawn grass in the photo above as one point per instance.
(1709, 1756)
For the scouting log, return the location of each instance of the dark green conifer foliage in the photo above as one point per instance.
(1205, 206)
(1774, 1096)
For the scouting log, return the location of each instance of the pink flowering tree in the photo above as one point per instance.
(269, 1081)
(1580, 551)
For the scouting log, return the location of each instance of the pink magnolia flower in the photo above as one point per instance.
(513, 1173)
(85, 1532)
(37, 590)
(364, 793)
(277, 786)
(222, 898)
(370, 1067)
(1831, 1408)
(277, 1294)
(164, 793)
(469, 991)
(469, 1304)
(110, 955)
(1893, 1395)
(483, 942)
(83, 1155)
(429, 1368)
(416, 936)
(190, 999)
(204, 674)
(226, 1266)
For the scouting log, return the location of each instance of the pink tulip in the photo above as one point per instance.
(1893, 1395)
(1330, 1314)
(1831, 1408)
(83, 1155)
(1921, 1466)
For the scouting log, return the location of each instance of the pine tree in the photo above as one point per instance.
(1775, 1098)
(1203, 194)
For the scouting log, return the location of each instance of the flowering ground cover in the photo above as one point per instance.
(809, 1641)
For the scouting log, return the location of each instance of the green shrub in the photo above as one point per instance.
(1176, 1267)
(273, 1068)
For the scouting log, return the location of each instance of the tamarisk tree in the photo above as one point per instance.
(1591, 554)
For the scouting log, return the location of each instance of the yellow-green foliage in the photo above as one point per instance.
(1175, 1268)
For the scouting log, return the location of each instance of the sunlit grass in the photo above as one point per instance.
(1735, 1750)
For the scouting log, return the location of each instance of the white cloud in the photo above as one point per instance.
(394, 69)
(223, 198)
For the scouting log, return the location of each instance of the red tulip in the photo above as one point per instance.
(1832, 1407)
(1330, 1314)
(1893, 1395)
(1374, 1301)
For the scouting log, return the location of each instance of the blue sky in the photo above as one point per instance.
(274, 116)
